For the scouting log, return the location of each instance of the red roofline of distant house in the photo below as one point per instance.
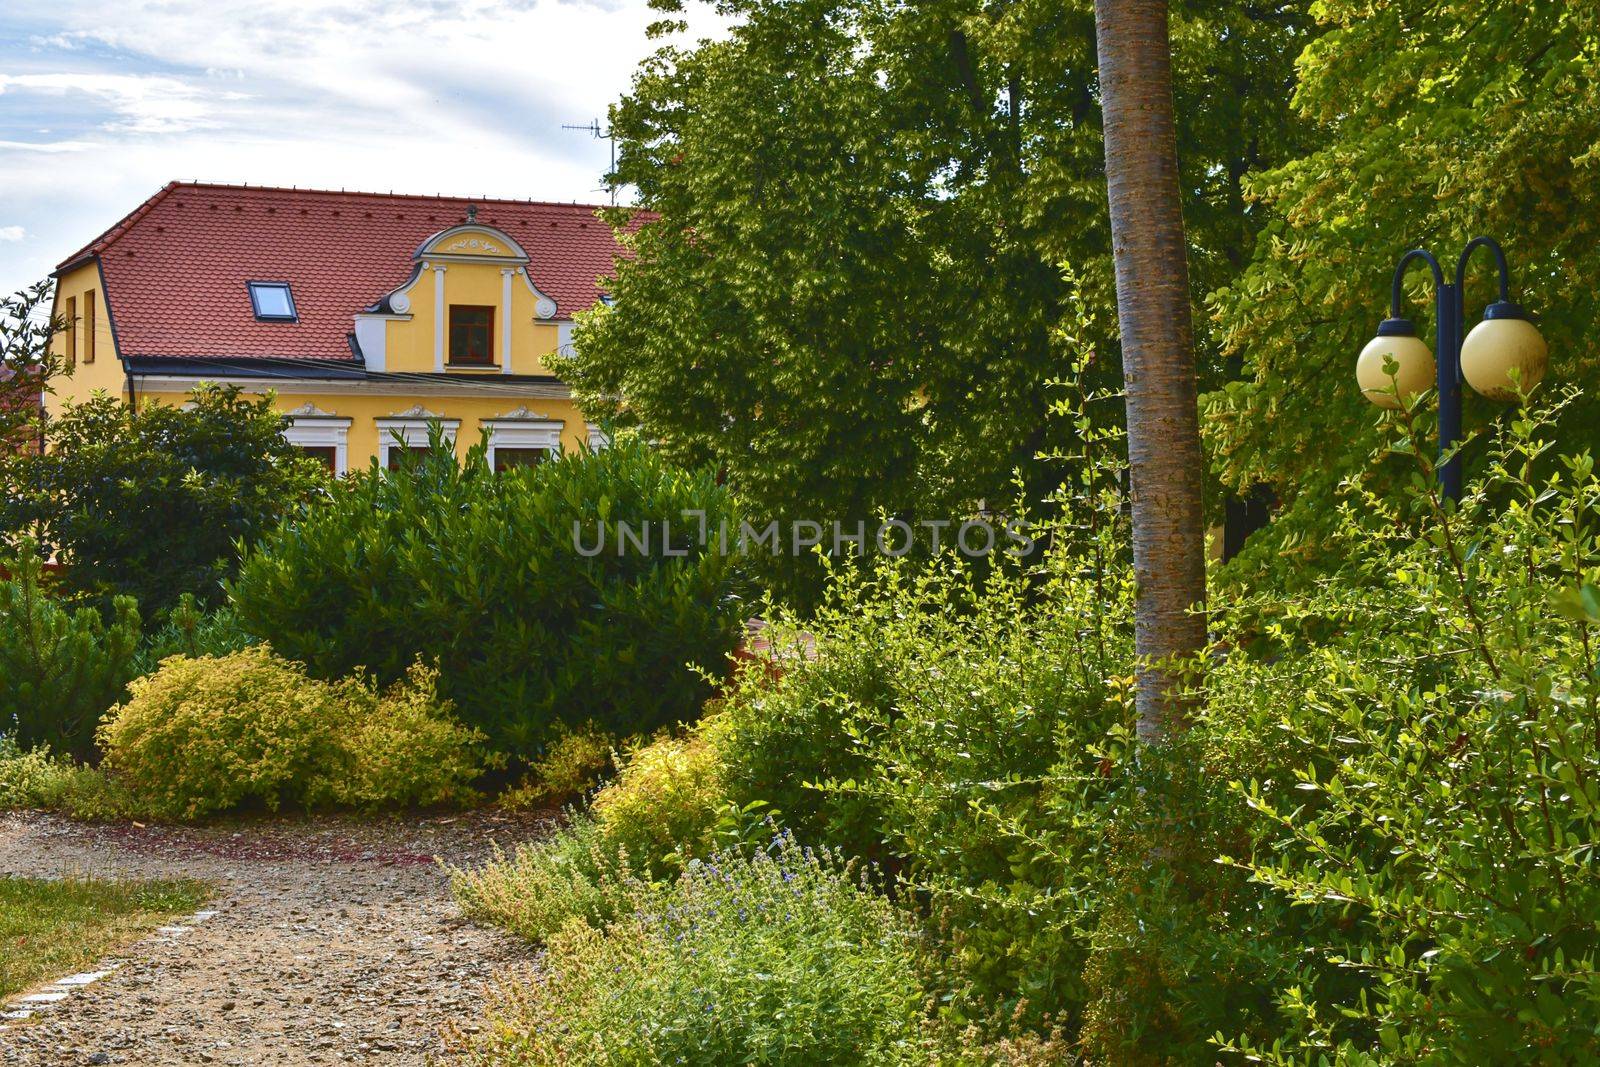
(175, 269)
(116, 229)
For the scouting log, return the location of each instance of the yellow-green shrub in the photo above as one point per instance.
(573, 762)
(665, 806)
(405, 747)
(665, 802)
(37, 779)
(212, 733)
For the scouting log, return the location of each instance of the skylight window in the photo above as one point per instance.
(272, 301)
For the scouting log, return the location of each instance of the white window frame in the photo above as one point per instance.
(598, 439)
(322, 431)
(509, 432)
(412, 429)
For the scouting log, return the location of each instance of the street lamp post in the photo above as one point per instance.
(1503, 353)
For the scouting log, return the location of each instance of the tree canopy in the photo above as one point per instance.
(1432, 122)
(871, 220)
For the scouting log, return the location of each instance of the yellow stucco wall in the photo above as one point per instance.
(412, 339)
(365, 411)
(83, 378)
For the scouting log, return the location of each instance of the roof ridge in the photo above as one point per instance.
(391, 195)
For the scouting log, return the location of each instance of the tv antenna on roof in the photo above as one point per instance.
(594, 130)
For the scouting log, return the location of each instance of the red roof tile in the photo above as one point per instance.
(176, 266)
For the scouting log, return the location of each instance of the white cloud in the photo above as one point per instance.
(12, 233)
(138, 104)
(453, 96)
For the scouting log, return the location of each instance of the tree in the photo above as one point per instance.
(150, 503)
(60, 669)
(1166, 469)
(871, 221)
(1429, 123)
(26, 363)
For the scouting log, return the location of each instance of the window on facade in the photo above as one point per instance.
(272, 301)
(70, 338)
(508, 458)
(471, 334)
(399, 457)
(327, 454)
(88, 326)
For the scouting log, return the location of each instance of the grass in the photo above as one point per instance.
(51, 928)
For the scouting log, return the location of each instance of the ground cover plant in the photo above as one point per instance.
(483, 574)
(50, 928)
(782, 955)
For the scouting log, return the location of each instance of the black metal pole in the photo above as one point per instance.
(1448, 312)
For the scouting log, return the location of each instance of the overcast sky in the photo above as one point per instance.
(104, 101)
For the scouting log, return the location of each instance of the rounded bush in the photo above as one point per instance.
(498, 578)
(209, 734)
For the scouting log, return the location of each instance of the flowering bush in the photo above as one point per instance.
(787, 956)
(216, 732)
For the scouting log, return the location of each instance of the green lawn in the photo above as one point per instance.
(49, 929)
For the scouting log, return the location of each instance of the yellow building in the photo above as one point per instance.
(368, 316)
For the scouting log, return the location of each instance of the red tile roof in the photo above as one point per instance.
(176, 267)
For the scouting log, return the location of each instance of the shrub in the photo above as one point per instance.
(781, 958)
(664, 808)
(574, 875)
(665, 803)
(483, 572)
(572, 763)
(36, 779)
(25, 777)
(191, 631)
(1431, 786)
(149, 502)
(59, 668)
(957, 732)
(210, 734)
(404, 747)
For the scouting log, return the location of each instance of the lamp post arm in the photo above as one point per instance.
(1400, 277)
(1499, 261)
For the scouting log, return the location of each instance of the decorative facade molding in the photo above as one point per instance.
(311, 427)
(523, 429)
(409, 429)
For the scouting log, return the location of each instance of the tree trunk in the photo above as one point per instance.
(1157, 350)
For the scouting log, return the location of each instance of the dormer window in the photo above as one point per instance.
(471, 335)
(272, 302)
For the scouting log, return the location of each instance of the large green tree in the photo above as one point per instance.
(872, 218)
(1433, 122)
(150, 503)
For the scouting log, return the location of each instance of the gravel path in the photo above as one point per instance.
(334, 941)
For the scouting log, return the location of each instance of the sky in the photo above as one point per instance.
(104, 101)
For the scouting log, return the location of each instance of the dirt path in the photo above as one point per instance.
(334, 941)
